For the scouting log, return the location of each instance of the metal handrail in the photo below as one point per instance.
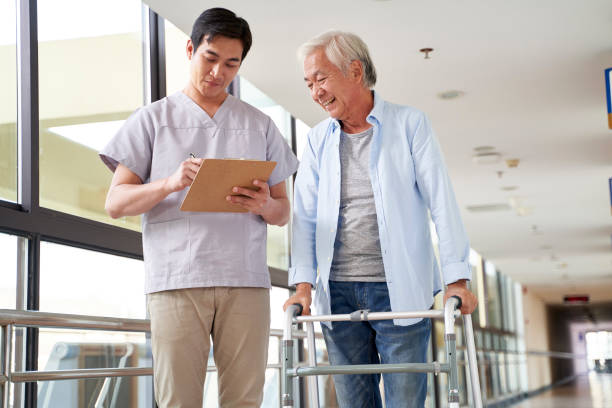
(23, 318)
(27, 318)
(71, 321)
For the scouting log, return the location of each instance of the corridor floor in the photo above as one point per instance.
(588, 391)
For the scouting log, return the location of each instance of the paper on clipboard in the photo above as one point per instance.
(216, 178)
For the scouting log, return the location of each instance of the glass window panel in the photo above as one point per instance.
(91, 80)
(125, 392)
(68, 349)
(177, 64)
(501, 358)
(506, 302)
(301, 137)
(74, 280)
(278, 297)
(278, 237)
(511, 306)
(493, 296)
(253, 96)
(495, 386)
(8, 102)
(78, 281)
(477, 287)
(8, 271)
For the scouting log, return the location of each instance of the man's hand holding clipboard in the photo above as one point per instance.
(254, 201)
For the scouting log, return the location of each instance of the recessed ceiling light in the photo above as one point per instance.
(452, 94)
(512, 162)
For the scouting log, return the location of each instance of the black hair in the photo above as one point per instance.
(220, 21)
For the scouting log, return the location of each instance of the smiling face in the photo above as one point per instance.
(329, 87)
(213, 66)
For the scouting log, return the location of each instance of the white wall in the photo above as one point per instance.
(536, 338)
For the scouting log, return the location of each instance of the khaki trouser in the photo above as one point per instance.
(182, 322)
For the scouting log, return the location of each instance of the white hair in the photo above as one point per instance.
(342, 48)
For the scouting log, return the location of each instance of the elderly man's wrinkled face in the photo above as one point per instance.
(329, 87)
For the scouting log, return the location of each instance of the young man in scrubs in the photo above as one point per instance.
(206, 273)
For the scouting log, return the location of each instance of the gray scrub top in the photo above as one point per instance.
(192, 249)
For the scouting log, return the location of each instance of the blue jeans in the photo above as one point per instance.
(374, 342)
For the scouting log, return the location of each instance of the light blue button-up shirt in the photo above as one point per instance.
(408, 177)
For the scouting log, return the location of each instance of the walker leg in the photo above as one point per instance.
(472, 361)
(451, 350)
(313, 386)
(287, 358)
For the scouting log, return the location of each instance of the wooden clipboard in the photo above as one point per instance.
(216, 178)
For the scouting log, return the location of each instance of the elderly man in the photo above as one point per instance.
(361, 236)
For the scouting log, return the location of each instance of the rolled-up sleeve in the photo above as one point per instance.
(436, 189)
(303, 246)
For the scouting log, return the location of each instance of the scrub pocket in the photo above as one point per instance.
(166, 247)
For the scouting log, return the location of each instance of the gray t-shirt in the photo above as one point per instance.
(357, 256)
(193, 249)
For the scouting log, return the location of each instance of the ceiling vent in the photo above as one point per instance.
(488, 207)
(486, 158)
(452, 94)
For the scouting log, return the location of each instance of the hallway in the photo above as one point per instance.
(588, 391)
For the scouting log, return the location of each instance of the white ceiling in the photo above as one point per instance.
(533, 77)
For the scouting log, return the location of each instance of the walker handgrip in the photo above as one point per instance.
(299, 309)
(459, 303)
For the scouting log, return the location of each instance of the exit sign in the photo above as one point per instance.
(576, 299)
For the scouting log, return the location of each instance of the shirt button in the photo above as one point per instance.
(328, 258)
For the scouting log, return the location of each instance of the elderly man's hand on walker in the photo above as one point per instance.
(469, 301)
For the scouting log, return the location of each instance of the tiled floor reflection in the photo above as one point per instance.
(588, 391)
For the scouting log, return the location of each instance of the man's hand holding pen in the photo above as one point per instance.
(251, 200)
(184, 175)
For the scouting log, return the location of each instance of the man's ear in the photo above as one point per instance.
(356, 70)
(189, 49)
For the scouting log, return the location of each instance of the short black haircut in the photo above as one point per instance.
(220, 21)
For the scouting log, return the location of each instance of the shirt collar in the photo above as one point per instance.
(373, 118)
(376, 114)
(201, 113)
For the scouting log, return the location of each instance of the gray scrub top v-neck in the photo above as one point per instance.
(192, 249)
